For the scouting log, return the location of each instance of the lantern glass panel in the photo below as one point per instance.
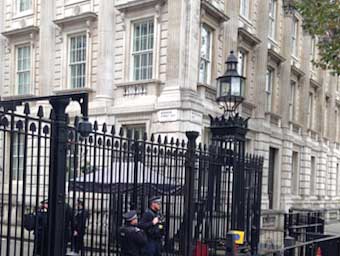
(225, 87)
(236, 86)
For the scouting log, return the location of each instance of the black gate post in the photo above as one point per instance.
(57, 177)
(189, 193)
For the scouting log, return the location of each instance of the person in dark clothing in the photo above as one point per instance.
(132, 238)
(152, 224)
(41, 230)
(68, 226)
(79, 227)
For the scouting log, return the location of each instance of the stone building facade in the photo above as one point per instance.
(151, 65)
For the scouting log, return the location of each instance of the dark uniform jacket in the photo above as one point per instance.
(154, 232)
(79, 221)
(132, 240)
(41, 233)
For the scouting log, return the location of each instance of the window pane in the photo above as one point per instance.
(143, 42)
(23, 69)
(77, 61)
(205, 55)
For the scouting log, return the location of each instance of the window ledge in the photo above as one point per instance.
(316, 84)
(72, 90)
(21, 15)
(137, 4)
(297, 71)
(207, 91)
(275, 56)
(214, 12)
(295, 126)
(313, 134)
(20, 31)
(248, 37)
(17, 97)
(139, 88)
(274, 118)
(76, 19)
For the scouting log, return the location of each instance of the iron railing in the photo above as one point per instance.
(329, 246)
(46, 158)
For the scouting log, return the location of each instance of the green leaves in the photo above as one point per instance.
(322, 20)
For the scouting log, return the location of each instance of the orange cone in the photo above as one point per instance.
(318, 252)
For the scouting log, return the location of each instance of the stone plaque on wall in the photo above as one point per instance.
(168, 115)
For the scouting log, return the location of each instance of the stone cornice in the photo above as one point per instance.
(138, 4)
(248, 37)
(275, 56)
(20, 31)
(315, 84)
(214, 12)
(297, 71)
(83, 17)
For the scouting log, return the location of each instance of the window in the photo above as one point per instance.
(292, 101)
(272, 189)
(23, 66)
(313, 49)
(294, 39)
(242, 63)
(312, 175)
(24, 5)
(134, 130)
(337, 179)
(272, 19)
(244, 8)
(295, 173)
(77, 61)
(18, 156)
(269, 89)
(205, 55)
(142, 51)
(310, 110)
(326, 120)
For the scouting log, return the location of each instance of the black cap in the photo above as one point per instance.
(45, 201)
(130, 215)
(155, 199)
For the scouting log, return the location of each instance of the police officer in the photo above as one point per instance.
(41, 230)
(152, 224)
(132, 238)
(79, 227)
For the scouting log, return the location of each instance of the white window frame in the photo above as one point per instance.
(295, 173)
(292, 100)
(295, 36)
(140, 128)
(242, 65)
(207, 60)
(26, 11)
(310, 119)
(272, 19)
(270, 78)
(69, 64)
(150, 50)
(245, 8)
(28, 70)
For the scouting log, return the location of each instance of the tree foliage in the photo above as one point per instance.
(322, 20)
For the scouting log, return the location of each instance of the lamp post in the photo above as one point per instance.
(229, 133)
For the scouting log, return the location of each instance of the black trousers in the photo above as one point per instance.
(78, 243)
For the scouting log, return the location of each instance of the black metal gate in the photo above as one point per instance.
(45, 158)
